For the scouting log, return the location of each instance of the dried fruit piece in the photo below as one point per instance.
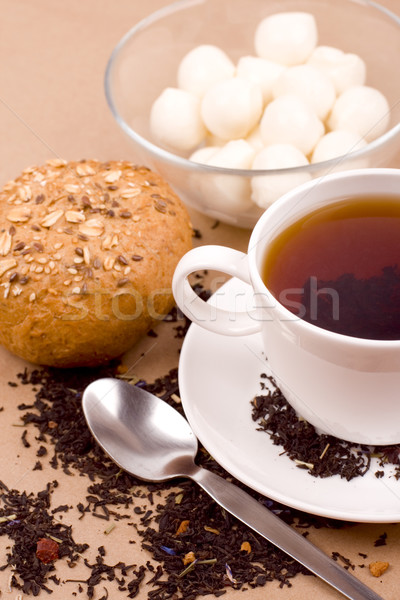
(47, 550)
(378, 567)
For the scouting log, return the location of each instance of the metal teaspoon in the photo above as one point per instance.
(149, 439)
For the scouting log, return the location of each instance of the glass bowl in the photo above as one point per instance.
(146, 61)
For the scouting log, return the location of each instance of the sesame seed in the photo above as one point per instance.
(17, 290)
(121, 259)
(125, 214)
(19, 246)
(42, 260)
(67, 281)
(76, 290)
(24, 280)
(79, 251)
(58, 245)
(32, 297)
(72, 271)
(137, 257)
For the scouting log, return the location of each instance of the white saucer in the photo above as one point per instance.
(218, 377)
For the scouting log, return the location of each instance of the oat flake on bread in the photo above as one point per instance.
(87, 254)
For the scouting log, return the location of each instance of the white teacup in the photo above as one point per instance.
(345, 386)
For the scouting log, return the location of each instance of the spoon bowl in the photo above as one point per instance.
(149, 439)
(140, 433)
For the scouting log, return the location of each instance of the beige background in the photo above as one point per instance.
(52, 60)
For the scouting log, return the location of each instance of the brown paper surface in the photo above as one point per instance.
(52, 57)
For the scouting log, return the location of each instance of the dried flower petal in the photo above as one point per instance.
(182, 527)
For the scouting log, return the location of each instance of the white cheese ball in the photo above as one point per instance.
(310, 84)
(230, 193)
(265, 189)
(363, 110)
(175, 120)
(254, 139)
(289, 120)
(344, 70)
(236, 154)
(261, 71)
(337, 143)
(232, 107)
(202, 67)
(203, 155)
(287, 38)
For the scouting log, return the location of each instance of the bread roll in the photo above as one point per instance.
(87, 254)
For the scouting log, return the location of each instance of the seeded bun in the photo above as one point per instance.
(87, 254)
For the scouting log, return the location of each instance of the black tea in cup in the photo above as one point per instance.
(338, 267)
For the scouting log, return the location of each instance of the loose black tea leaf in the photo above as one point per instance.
(322, 455)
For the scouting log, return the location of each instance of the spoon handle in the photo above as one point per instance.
(258, 517)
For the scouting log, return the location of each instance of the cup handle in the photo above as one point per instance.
(205, 315)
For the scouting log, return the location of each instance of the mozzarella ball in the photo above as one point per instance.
(261, 71)
(232, 107)
(230, 192)
(287, 38)
(337, 143)
(236, 154)
(363, 110)
(175, 120)
(310, 84)
(288, 119)
(344, 70)
(255, 140)
(202, 67)
(203, 155)
(265, 189)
